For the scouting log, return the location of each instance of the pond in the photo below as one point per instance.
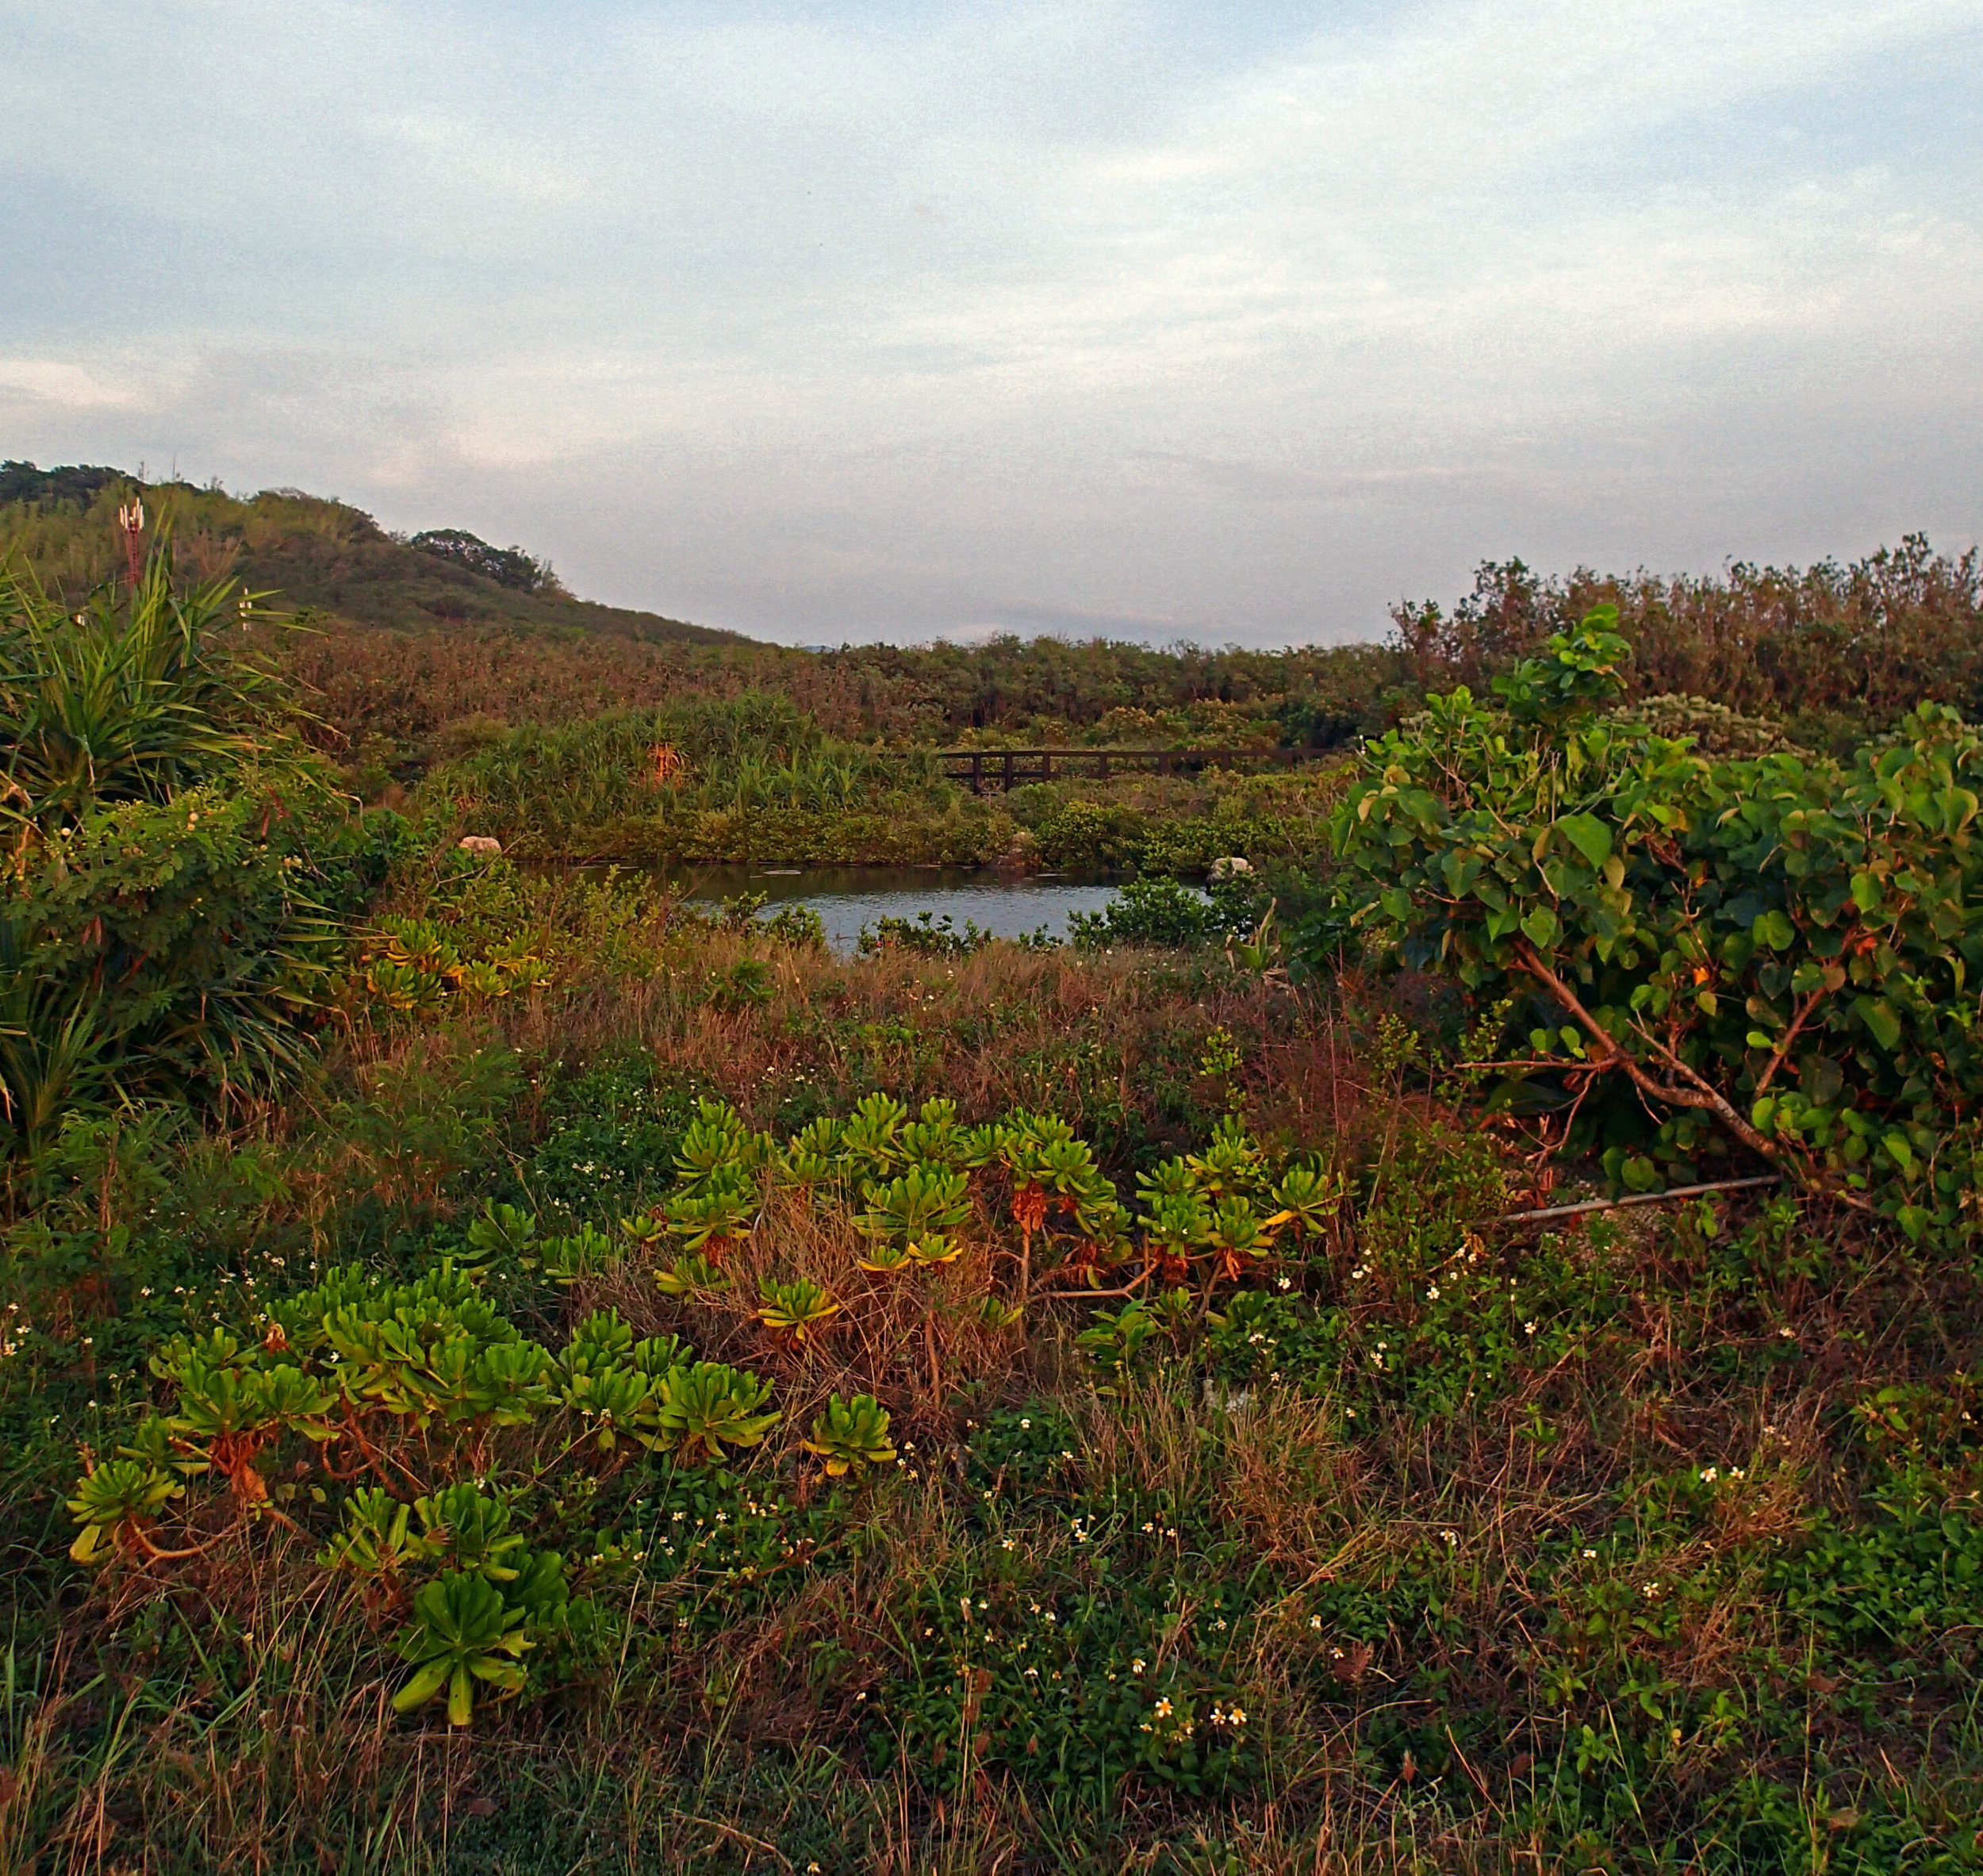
(849, 897)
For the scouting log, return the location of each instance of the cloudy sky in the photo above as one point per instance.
(859, 318)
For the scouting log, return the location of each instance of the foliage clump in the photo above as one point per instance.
(1771, 953)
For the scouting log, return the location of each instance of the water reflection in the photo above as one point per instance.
(849, 897)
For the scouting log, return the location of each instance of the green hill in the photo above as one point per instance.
(323, 558)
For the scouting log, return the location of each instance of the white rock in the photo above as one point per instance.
(481, 843)
(1230, 868)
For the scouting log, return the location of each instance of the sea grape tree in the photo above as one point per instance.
(1778, 951)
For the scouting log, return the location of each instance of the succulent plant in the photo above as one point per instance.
(851, 1436)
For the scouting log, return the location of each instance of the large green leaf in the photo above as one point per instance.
(1589, 835)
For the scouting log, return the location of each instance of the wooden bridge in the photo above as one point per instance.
(1008, 768)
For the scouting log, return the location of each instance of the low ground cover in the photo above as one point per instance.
(1364, 1527)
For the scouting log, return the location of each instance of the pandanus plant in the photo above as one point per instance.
(710, 1406)
(710, 1218)
(717, 1144)
(690, 1277)
(1235, 1238)
(613, 1383)
(1176, 1228)
(231, 1412)
(471, 1531)
(870, 1140)
(813, 1155)
(934, 1138)
(117, 1503)
(463, 1631)
(1309, 1199)
(375, 1542)
(1231, 1162)
(1049, 1170)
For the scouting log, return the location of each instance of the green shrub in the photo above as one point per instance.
(1770, 952)
(165, 926)
(1156, 910)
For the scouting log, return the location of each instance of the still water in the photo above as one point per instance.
(849, 897)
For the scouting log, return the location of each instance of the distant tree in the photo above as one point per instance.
(506, 566)
(22, 481)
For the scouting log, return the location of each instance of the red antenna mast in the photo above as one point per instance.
(131, 520)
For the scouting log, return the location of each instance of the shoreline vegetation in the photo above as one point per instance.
(504, 1371)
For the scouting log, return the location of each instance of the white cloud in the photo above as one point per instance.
(68, 386)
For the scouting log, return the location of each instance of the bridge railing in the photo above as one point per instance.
(1007, 769)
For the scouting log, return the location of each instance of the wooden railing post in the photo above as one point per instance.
(1010, 767)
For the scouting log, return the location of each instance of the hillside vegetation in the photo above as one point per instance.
(324, 559)
(408, 645)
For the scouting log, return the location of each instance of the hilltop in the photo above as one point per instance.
(325, 558)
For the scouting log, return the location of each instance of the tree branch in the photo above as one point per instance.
(1789, 1036)
(1700, 1093)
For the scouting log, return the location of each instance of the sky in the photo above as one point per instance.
(830, 320)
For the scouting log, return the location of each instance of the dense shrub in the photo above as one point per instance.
(1834, 653)
(1158, 910)
(1769, 952)
(176, 854)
